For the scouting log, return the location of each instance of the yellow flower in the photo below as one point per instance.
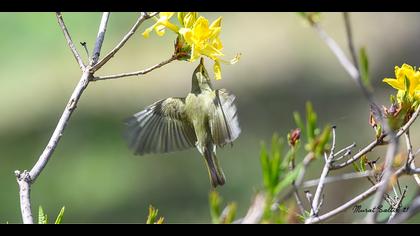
(187, 19)
(204, 41)
(161, 24)
(413, 77)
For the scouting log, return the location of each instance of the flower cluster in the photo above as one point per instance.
(196, 37)
(407, 82)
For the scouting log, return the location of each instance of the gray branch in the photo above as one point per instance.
(99, 39)
(331, 179)
(143, 16)
(325, 170)
(70, 41)
(136, 73)
(27, 178)
(404, 216)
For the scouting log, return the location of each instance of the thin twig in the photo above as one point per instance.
(70, 41)
(295, 188)
(398, 204)
(350, 39)
(331, 179)
(27, 178)
(387, 174)
(326, 169)
(353, 201)
(411, 156)
(136, 73)
(411, 211)
(348, 66)
(345, 150)
(130, 33)
(377, 142)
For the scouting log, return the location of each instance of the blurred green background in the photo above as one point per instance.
(284, 63)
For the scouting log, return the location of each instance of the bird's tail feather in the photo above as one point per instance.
(216, 174)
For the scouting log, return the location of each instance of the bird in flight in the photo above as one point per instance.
(205, 119)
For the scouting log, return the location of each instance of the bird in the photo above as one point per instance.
(205, 119)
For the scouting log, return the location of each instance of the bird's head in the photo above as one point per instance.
(200, 79)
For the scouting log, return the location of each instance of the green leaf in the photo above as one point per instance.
(364, 68)
(323, 140)
(60, 215)
(363, 161)
(276, 150)
(42, 217)
(152, 217)
(311, 120)
(230, 213)
(215, 202)
(265, 165)
(298, 121)
(356, 167)
(288, 179)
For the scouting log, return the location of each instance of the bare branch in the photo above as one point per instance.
(70, 41)
(348, 66)
(387, 174)
(25, 196)
(27, 178)
(136, 73)
(398, 205)
(331, 179)
(353, 201)
(143, 16)
(256, 211)
(326, 169)
(377, 142)
(411, 156)
(99, 39)
(350, 39)
(404, 216)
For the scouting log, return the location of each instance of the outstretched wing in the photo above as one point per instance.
(223, 119)
(161, 127)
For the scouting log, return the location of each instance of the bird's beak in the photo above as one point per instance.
(201, 67)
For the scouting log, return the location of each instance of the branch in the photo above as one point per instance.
(136, 73)
(411, 156)
(350, 39)
(70, 41)
(377, 142)
(413, 210)
(256, 211)
(353, 201)
(27, 178)
(143, 16)
(331, 179)
(397, 205)
(99, 39)
(348, 66)
(326, 169)
(387, 174)
(25, 196)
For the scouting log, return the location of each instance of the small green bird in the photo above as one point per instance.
(204, 119)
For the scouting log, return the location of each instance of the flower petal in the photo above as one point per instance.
(394, 83)
(217, 70)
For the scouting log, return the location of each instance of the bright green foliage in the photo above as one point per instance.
(227, 216)
(364, 68)
(43, 218)
(153, 216)
(315, 141)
